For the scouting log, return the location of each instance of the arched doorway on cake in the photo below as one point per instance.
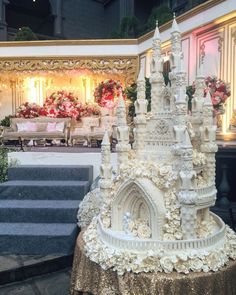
(142, 200)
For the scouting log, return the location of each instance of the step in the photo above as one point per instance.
(37, 211)
(44, 172)
(44, 190)
(37, 238)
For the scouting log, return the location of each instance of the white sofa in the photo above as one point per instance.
(39, 128)
(93, 128)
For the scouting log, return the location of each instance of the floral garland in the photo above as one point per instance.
(183, 262)
(218, 89)
(107, 92)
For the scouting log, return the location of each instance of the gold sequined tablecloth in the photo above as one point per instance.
(89, 278)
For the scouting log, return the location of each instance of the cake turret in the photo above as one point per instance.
(105, 168)
(187, 196)
(156, 77)
(177, 75)
(140, 119)
(123, 146)
(198, 99)
(176, 57)
(208, 138)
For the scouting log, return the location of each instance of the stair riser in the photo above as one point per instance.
(38, 245)
(49, 173)
(43, 193)
(29, 230)
(38, 215)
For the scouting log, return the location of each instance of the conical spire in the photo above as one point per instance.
(121, 112)
(141, 89)
(105, 140)
(141, 74)
(175, 27)
(186, 139)
(157, 35)
(208, 101)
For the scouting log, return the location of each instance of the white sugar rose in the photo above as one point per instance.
(166, 264)
(144, 231)
(165, 170)
(106, 221)
(196, 264)
(182, 267)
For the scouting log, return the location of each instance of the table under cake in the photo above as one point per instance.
(89, 278)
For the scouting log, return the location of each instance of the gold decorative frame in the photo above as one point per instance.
(128, 65)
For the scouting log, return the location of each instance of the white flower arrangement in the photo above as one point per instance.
(163, 176)
(199, 159)
(159, 261)
(89, 207)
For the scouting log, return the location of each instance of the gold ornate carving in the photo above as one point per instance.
(233, 121)
(202, 52)
(220, 43)
(126, 65)
(234, 36)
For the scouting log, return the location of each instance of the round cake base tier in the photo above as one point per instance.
(89, 278)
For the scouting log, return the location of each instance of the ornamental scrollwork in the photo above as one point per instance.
(126, 65)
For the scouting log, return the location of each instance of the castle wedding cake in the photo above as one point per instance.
(153, 213)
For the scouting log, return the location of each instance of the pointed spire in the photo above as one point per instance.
(121, 103)
(157, 35)
(186, 139)
(208, 101)
(141, 74)
(106, 140)
(175, 27)
(121, 112)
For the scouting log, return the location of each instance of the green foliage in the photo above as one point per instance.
(161, 13)
(131, 94)
(6, 121)
(166, 78)
(190, 91)
(25, 34)
(3, 164)
(128, 28)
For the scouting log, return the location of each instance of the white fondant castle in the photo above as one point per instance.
(154, 214)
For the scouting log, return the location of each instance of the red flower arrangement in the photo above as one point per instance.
(219, 91)
(107, 92)
(28, 110)
(61, 104)
(89, 109)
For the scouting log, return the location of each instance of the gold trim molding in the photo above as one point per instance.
(127, 65)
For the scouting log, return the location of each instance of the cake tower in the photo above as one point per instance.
(154, 213)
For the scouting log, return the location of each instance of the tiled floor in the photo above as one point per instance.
(8, 262)
(57, 283)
